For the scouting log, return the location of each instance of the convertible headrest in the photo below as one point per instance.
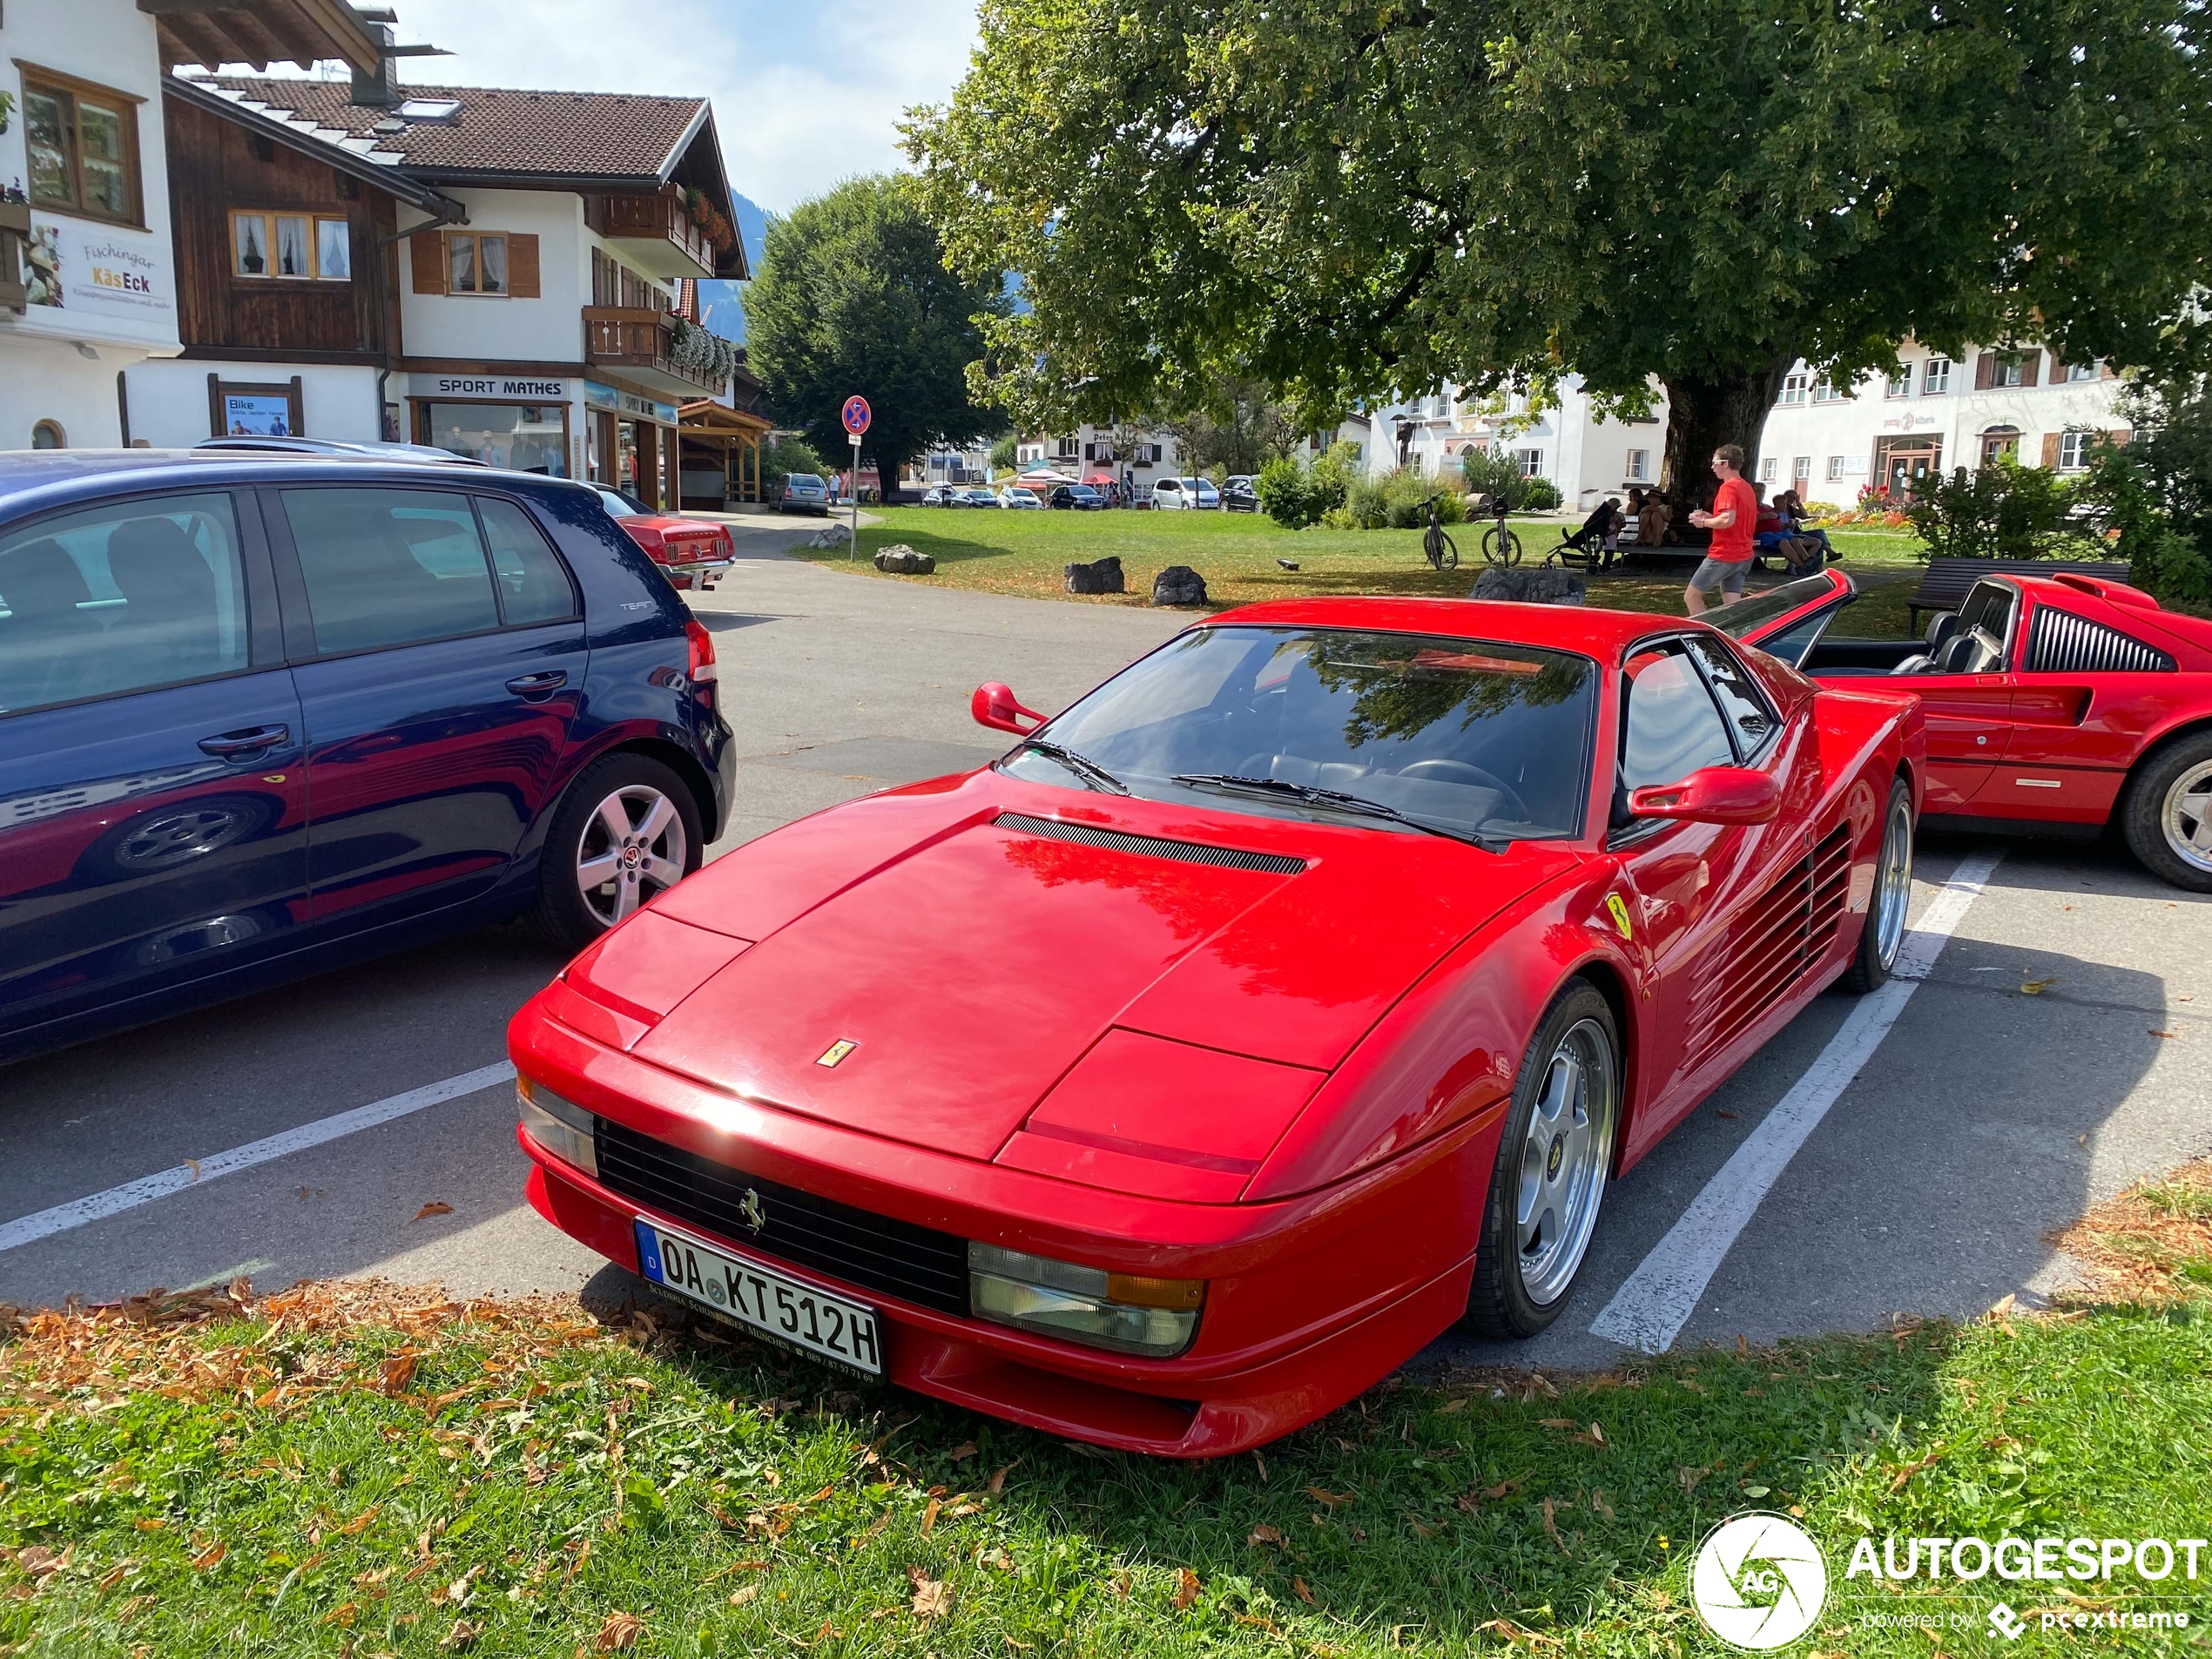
(1955, 654)
(1941, 626)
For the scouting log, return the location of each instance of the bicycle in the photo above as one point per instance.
(1437, 548)
(1499, 545)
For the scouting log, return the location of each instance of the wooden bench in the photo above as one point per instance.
(1946, 582)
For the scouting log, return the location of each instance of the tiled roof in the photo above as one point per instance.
(605, 134)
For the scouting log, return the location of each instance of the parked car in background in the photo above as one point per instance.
(1077, 498)
(937, 496)
(1264, 1131)
(804, 492)
(976, 495)
(1239, 494)
(1015, 497)
(262, 713)
(2063, 706)
(1186, 494)
(691, 552)
(358, 449)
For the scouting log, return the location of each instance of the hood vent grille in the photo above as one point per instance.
(1153, 847)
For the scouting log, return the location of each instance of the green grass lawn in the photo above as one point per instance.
(1239, 556)
(362, 1471)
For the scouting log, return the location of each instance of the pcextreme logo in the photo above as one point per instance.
(1758, 1581)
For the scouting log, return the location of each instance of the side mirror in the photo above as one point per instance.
(1713, 795)
(994, 705)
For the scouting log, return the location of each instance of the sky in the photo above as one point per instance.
(806, 92)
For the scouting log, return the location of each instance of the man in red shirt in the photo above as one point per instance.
(1733, 520)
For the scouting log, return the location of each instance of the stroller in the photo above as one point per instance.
(1586, 549)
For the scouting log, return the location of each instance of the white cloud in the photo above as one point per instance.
(804, 94)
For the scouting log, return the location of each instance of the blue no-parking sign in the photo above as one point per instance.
(856, 415)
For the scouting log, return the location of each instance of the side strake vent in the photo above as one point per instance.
(1776, 941)
(2060, 643)
(1151, 847)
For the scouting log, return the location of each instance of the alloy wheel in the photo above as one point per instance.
(2186, 817)
(1565, 1155)
(1893, 883)
(632, 848)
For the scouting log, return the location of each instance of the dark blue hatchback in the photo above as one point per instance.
(260, 714)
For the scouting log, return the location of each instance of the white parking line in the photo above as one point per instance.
(1655, 1301)
(98, 1206)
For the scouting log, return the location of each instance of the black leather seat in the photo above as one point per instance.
(174, 630)
(51, 650)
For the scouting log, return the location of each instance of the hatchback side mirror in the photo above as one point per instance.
(994, 705)
(1711, 795)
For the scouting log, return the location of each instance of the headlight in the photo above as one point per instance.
(562, 1127)
(1155, 1317)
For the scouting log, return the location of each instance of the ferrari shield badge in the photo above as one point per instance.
(837, 1051)
(1614, 903)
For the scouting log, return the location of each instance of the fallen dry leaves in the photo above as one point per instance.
(433, 1208)
(2133, 1248)
(933, 1598)
(1186, 1588)
(619, 1633)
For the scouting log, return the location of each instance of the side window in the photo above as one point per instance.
(390, 567)
(533, 584)
(1750, 720)
(120, 598)
(1672, 728)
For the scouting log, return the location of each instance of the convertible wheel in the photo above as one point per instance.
(1552, 1164)
(1886, 906)
(2166, 812)
(626, 831)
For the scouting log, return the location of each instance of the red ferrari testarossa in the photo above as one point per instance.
(1290, 997)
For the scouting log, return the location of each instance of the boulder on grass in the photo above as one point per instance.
(1178, 586)
(901, 560)
(1536, 585)
(1102, 575)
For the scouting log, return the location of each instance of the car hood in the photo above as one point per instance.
(972, 939)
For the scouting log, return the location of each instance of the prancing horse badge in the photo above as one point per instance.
(837, 1051)
(1614, 903)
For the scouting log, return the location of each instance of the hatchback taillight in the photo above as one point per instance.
(699, 661)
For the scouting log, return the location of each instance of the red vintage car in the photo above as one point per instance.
(2064, 705)
(1289, 999)
(693, 551)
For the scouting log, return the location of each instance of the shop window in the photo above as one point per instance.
(300, 247)
(521, 437)
(475, 263)
(81, 147)
(48, 434)
(1935, 378)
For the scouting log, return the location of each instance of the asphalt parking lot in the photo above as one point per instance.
(1905, 1159)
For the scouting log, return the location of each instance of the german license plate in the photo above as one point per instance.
(796, 1315)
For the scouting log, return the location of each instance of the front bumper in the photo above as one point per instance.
(1310, 1301)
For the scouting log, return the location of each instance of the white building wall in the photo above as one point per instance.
(169, 406)
(112, 300)
(498, 328)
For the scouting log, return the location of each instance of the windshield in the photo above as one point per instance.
(805, 481)
(1755, 610)
(1471, 736)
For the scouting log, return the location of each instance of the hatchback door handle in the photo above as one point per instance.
(538, 685)
(245, 742)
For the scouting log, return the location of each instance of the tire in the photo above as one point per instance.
(637, 865)
(2166, 814)
(1548, 1182)
(1879, 940)
(1501, 547)
(1442, 555)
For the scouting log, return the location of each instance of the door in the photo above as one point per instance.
(439, 650)
(152, 806)
(1699, 887)
(1969, 710)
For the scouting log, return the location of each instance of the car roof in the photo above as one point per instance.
(35, 480)
(1590, 631)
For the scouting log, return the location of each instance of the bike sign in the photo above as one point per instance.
(856, 415)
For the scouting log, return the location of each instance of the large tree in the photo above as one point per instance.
(854, 295)
(1353, 199)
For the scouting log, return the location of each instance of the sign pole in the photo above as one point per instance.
(856, 415)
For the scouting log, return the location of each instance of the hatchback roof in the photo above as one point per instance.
(33, 479)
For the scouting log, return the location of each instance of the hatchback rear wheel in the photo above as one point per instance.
(627, 830)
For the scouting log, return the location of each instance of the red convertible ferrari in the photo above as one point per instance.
(2063, 705)
(1289, 999)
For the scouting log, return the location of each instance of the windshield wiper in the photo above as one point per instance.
(1089, 771)
(1333, 799)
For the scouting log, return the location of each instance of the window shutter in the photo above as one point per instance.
(2051, 450)
(428, 251)
(1985, 370)
(522, 267)
(2030, 362)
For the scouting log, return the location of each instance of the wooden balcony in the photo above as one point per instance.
(653, 233)
(637, 342)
